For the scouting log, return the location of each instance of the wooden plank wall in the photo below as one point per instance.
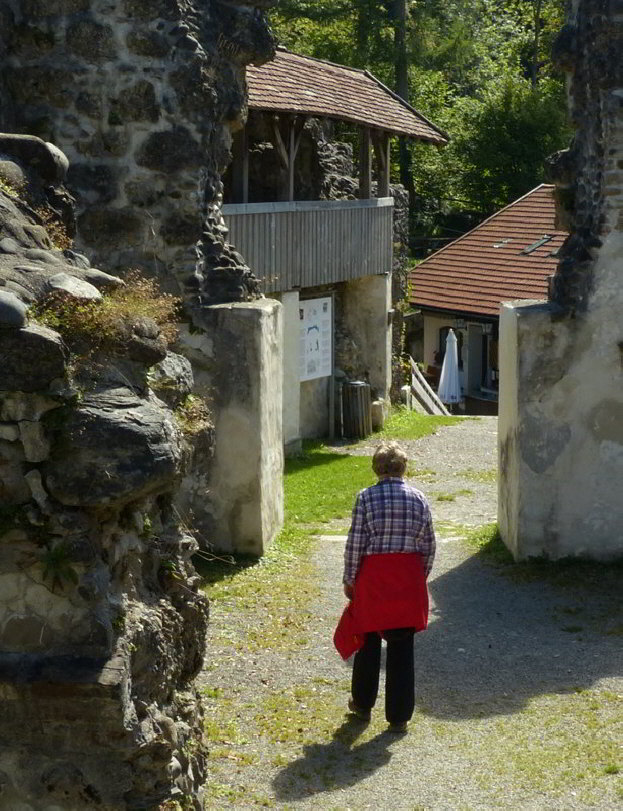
(306, 244)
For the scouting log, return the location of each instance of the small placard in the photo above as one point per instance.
(315, 338)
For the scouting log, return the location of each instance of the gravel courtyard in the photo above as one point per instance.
(519, 680)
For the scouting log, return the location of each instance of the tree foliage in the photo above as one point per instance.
(479, 69)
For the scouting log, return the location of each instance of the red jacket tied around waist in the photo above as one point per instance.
(390, 592)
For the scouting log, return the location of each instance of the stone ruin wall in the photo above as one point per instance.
(142, 96)
(102, 624)
(102, 627)
(561, 412)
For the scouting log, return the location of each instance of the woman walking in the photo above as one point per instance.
(388, 557)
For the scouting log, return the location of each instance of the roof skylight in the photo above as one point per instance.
(544, 240)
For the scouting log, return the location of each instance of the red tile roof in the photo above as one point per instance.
(487, 266)
(292, 83)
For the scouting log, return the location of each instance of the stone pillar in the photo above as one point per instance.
(291, 373)
(561, 386)
(366, 311)
(237, 359)
(561, 431)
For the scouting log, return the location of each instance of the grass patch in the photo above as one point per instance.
(301, 715)
(274, 592)
(572, 575)
(321, 485)
(406, 424)
(452, 528)
(453, 496)
(558, 742)
(482, 476)
(423, 474)
(487, 541)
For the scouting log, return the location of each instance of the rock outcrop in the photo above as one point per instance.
(102, 624)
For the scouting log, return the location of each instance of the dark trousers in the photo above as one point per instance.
(399, 674)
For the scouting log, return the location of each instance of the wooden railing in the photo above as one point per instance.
(311, 243)
(422, 393)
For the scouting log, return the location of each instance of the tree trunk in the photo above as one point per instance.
(536, 11)
(401, 73)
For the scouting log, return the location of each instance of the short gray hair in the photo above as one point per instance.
(389, 460)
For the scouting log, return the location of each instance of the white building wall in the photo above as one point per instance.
(366, 306)
(432, 325)
(291, 373)
(561, 429)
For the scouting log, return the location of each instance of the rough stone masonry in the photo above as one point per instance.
(101, 622)
(143, 98)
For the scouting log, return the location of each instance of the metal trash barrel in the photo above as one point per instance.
(356, 409)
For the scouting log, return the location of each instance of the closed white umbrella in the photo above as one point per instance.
(449, 390)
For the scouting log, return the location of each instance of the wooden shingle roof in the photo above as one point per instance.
(292, 83)
(507, 257)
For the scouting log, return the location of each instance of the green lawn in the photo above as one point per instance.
(405, 424)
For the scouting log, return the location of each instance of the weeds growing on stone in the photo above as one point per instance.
(108, 323)
(57, 566)
(54, 227)
(193, 415)
(9, 188)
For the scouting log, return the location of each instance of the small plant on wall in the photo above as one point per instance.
(108, 323)
(57, 567)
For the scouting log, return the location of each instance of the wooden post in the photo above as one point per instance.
(296, 130)
(365, 165)
(291, 156)
(288, 155)
(382, 151)
(240, 166)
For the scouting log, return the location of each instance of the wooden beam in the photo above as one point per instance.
(281, 148)
(381, 142)
(365, 165)
(240, 166)
(296, 130)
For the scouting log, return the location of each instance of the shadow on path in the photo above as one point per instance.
(334, 765)
(494, 643)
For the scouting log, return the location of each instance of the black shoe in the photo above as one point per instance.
(363, 715)
(399, 728)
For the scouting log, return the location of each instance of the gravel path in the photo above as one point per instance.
(458, 461)
(507, 673)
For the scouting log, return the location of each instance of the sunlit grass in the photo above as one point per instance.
(406, 424)
(557, 742)
(321, 485)
(482, 476)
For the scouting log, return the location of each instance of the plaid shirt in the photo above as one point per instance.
(390, 516)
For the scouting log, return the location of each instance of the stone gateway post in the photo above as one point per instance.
(561, 405)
